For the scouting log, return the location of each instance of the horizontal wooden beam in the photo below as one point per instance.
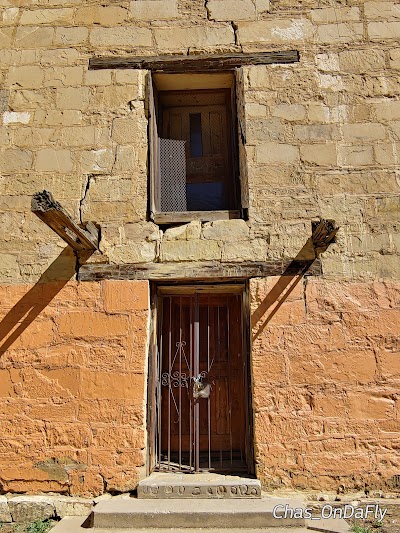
(56, 217)
(207, 270)
(195, 63)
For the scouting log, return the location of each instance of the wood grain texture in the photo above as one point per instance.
(56, 217)
(194, 63)
(198, 270)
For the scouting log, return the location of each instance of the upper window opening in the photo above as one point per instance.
(194, 147)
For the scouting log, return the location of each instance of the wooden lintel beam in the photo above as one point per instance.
(207, 270)
(197, 63)
(56, 217)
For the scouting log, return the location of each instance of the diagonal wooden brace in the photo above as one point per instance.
(56, 217)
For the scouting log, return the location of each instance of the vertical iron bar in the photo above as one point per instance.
(229, 376)
(180, 383)
(196, 372)
(169, 380)
(208, 372)
(219, 383)
(159, 365)
(190, 383)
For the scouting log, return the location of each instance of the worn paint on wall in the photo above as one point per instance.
(72, 386)
(326, 375)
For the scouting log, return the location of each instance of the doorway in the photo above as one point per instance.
(201, 404)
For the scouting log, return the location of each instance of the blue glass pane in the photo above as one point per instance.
(205, 196)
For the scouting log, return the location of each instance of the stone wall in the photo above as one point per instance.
(323, 138)
(72, 386)
(322, 134)
(326, 383)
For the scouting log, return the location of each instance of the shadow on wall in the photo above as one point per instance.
(38, 297)
(287, 282)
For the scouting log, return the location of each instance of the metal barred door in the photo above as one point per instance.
(202, 388)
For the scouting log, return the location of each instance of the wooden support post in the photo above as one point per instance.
(198, 63)
(55, 216)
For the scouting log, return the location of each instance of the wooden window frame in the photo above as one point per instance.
(239, 164)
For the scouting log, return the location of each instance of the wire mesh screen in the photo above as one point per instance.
(173, 175)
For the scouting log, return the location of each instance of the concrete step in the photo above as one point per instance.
(71, 524)
(205, 513)
(74, 524)
(205, 485)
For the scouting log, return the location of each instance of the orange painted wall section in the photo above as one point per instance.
(72, 386)
(326, 376)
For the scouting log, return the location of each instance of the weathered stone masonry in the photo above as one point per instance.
(323, 140)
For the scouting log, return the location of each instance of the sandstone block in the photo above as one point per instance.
(70, 36)
(194, 250)
(122, 296)
(102, 15)
(385, 153)
(319, 154)
(68, 117)
(79, 135)
(59, 57)
(34, 37)
(113, 97)
(143, 231)
(100, 160)
(184, 232)
(321, 132)
(193, 37)
(6, 35)
(10, 15)
(67, 506)
(33, 137)
(275, 31)
(255, 250)
(14, 160)
(387, 111)
(49, 159)
(382, 10)
(92, 324)
(98, 77)
(47, 16)
(340, 33)
(124, 130)
(262, 5)
(63, 76)
(5, 515)
(365, 406)
(72, 98)
(29, 77)
(277, 153)
(363, 132)
(133, 252)
(360, 61)
(226, 230)
(291, 112)
(380, 31)
(255, 110)
(13, 117)
(154, 10)
(223, 10)
(356, 155)
(335, 15)
(394, 58)
(127, 36)
(31, 508)
(96, 384)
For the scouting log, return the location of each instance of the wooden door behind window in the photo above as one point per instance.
(202, 421)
